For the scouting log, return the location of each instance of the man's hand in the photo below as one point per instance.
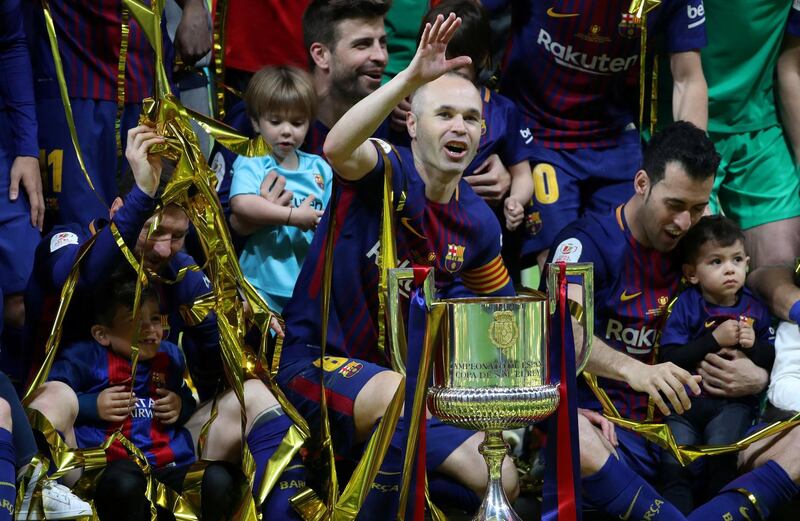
(665, 379)
(114, 404)
(193, 35)
(730, 374)
(167, 408)
(272, 189)
(600, 421)
(399, 116)
(514, 212)
(727, 333)
(145, 166)
(26, 169)
(431, 61)
(490, 180)
(747, 335)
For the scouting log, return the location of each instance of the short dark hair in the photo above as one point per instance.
(711, 228)
(321, 19)
(472, 38)
(118, 292)
(127, 181)
(683, 143)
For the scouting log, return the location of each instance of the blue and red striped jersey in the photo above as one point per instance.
(318, 131)
(573, 65)
(499, 132)
(459, 239)
(17, 105)
(632, 285)
(89, 39)
(692, 317)
(89, 368)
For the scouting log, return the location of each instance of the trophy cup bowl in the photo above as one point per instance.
(490, 370)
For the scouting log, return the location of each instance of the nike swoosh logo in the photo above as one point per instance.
(709, 324)
(627, 514)
(404, 222)
(625, 297)
(552, 14)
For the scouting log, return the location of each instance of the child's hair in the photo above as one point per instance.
(281, 90)
(474, 35)
(717, 228)
(119, 292)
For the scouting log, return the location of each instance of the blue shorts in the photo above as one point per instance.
(299, 378)
(570, 183)
(638, 454)
(18, 237)
(68, 197)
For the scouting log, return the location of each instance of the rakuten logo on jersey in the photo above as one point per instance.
(697, 15)
(565, 55)
(637, 341)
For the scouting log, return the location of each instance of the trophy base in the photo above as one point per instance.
(493, 408)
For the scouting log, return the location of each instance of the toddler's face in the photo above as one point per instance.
(283, 132)
(151, 331)
(719, 271)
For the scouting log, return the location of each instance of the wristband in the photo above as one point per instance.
(289, 217)
(794, 312)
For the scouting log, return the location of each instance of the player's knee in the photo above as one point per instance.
(510, 479)
(257, 397)
(5, 415)
(59, 404)
(373, 400)
(594, 452)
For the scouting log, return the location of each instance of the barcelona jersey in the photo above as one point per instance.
(459, 239)
(632, 287)
(499, 132)
(573, 66)
(89, 368)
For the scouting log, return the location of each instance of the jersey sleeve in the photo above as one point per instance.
(686, 26)
(487, 274)
(72, 366)
(513, 149)
(764, 330)
(677, 328)
(177, 383)
(574, 244)
(793, 26)
(16, 80)
(248, 173)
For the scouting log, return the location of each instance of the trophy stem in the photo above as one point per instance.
(495, 504)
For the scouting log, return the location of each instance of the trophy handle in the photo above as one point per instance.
(397, 331)
(583, 313)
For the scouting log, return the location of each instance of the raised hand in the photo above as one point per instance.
(145, 166)
(431, 61)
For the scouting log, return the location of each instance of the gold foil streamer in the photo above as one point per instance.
(218, 52)
(640, 9)
(125, 31)
(660, 434)
(388, 256)
(62, 88)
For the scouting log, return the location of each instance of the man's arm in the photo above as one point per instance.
(789, 88)
(193, 34)
(347, 147)
(774, 285)
(690, 90)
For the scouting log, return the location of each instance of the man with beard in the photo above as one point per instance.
(346, 44)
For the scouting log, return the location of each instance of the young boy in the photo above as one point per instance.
(717, 314)
(149, 411)
(281, 104)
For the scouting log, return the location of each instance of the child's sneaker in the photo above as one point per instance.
(58, 502)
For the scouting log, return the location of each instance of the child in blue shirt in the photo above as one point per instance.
(281, 103)
(717, 314)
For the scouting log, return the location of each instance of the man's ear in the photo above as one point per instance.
(115, 206)
(690, 273)
(100, 334)
(641, 183)
(411, 124)
(321, 55)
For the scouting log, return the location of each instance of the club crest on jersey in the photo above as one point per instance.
(320, 182)
(630, 26)
(533, 223)
(350, 370)
(454, 258)
(158, 380)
